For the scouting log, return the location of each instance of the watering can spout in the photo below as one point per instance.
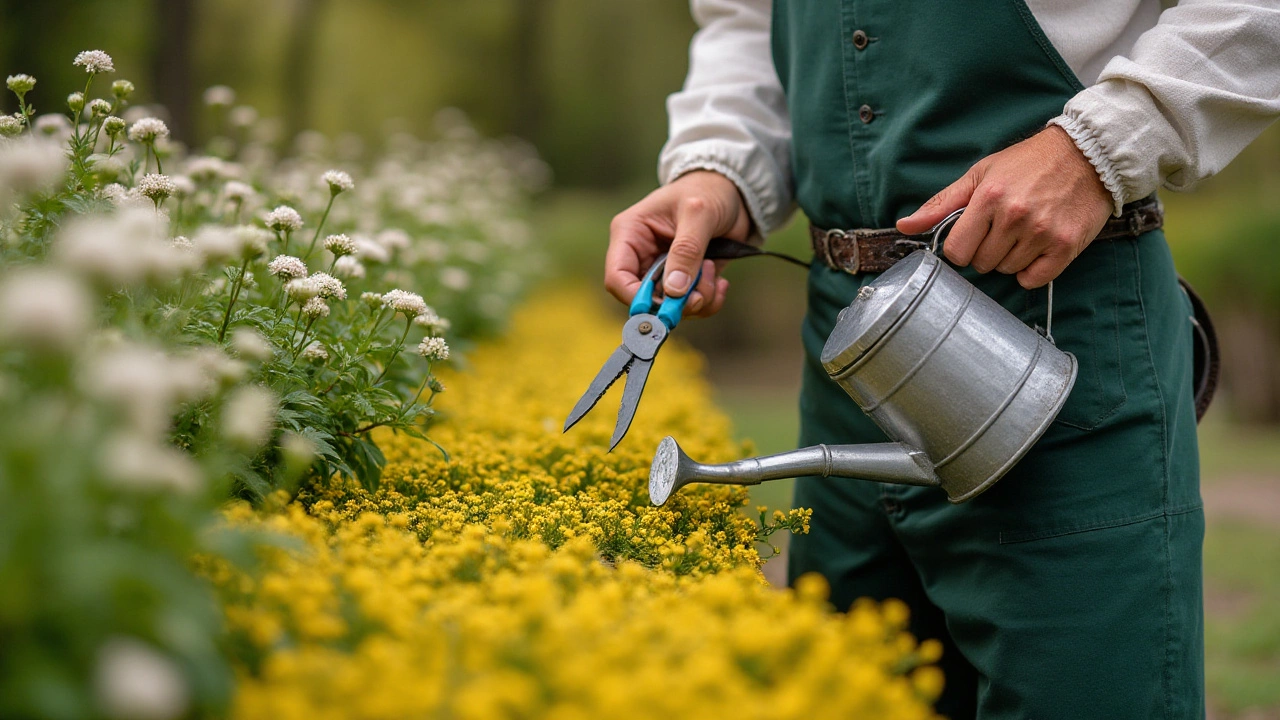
(898, 463)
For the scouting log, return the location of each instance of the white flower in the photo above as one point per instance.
(370, 250)
(132, 462)
(329, 286)
(455, 278)
(249, 417)
(216, 243)
(405, 302)
(283, 219)
(315, 308)
(219, 96)
(338, 181)
(20, 84)
(122, 249)
(183, 186)
(98, 107)
(237, 191)
(432, 323)
(145, 383)
(301, 290)
(371, 298)
(10, 125)
(250, 344)
(148, 130)
(348, 267)
(182, 242)
(287, 267)
(205, 168)
(53, 124)
(393, 239)
(242, 116)
(315, 352)
(112, 125)
(133, 681)
(253, 241)
(75, 101)
(339, 245)
(43, 309)
(434, 349)
(94, 61)
(157, 187)
(122, 89)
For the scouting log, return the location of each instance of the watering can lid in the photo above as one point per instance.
(878, 306)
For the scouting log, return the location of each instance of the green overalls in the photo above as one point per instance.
(1072, 588)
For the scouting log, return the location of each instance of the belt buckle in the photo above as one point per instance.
(838, 234)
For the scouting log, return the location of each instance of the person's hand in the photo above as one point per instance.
(1032, 208)
(679, 218)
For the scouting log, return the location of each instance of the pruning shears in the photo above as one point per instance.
(642, 337)
(645, 332)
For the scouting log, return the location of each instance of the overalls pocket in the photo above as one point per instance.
(1088, 301)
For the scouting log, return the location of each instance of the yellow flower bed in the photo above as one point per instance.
(529, 577)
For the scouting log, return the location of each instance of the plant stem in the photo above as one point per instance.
(303, 341)
(235, 293)
(408, 323)
(319, 227)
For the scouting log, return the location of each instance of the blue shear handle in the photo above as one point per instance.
(672, 308)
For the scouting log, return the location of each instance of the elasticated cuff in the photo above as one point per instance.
(1096, 153)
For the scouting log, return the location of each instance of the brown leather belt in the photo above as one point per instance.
(871, 251)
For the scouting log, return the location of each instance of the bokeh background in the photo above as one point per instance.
(585, 82)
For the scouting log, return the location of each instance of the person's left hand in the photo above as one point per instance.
(1032, 208)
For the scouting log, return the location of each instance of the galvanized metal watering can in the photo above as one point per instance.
(961, 385)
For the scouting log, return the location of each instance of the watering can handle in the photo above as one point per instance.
(939, 233)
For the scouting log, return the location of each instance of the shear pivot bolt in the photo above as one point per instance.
(645, 327)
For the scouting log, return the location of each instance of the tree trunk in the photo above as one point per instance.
(299, 64)
(171, 65)
(528, 98)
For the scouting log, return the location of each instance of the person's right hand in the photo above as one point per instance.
(680, 219)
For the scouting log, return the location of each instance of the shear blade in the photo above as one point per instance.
(610, 372)
(637, 374)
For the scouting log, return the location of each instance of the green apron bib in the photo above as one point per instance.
(1071, 589)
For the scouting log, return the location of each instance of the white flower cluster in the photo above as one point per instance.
(157, 187)
(338, 181)
(148, 130)
(20, 84)
(94, 61)
(434, 349)
(287, 267)
(283, 219)
(339, 245)
(404, 302)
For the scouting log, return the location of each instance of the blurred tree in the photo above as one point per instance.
(172, 64)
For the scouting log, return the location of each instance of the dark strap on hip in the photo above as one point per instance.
(876, 250)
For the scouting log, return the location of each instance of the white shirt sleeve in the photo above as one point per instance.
(1191, 94)
(731, 116)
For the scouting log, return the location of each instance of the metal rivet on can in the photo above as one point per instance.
(866, 114)
(860, 39)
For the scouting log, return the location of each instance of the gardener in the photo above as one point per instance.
(1073, 587)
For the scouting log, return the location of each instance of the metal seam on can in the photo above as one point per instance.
(946, 333)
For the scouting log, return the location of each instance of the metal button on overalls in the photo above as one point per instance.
(860, 39)
(1073, 587)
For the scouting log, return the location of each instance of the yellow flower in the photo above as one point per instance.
(530, 577)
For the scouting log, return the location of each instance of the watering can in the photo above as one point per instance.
(962, 386)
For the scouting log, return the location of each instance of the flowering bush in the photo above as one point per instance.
(178, 328)
(530, 577)
(311, 281)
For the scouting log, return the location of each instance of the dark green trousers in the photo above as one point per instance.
(1072, 588)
